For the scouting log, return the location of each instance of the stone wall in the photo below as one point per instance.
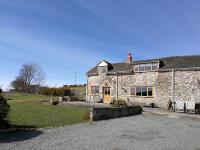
(138, 79)
(101, 81)
(185, 84)
(93, 81)
(114, 112)
(163, 89)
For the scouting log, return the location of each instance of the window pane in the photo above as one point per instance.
(144, 91)
(148, 67)
(102, 70)
(132, 90)
(136, 68)
(94, 90)
(105, 91)
(154, 66)
(142, 67)
(150, 91)
(138, 91)
(108, 91)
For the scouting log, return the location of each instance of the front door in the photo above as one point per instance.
(106, 95)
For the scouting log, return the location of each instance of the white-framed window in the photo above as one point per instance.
(146, 67)
(142, 67)
(94, 89)
(103, 69)
(106, 90)
(154, 66)
(141, 91)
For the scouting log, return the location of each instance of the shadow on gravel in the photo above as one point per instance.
(19, 133)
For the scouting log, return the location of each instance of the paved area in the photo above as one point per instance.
(165, 112)
(142, 132)
(85, 104)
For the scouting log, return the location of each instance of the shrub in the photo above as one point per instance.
(62, 91)
(74, 98)
(55, 103)
(4, 107)
(119, 103)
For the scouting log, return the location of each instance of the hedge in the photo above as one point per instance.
(63, 91)
(4, 107)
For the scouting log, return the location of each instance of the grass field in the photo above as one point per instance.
(27, 97)
(29, 111)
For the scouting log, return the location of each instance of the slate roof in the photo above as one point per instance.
(121, 67)
(173, 62)
(115, 67)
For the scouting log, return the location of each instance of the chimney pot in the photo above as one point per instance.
(130, 58)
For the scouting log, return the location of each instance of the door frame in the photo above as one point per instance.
(106, 95)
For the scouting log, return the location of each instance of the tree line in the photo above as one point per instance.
(30, 79)
(62, 91)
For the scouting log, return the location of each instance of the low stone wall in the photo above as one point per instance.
(114, 112)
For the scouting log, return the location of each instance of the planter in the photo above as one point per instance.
(55, 103)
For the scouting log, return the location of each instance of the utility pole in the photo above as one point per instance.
(75, 77)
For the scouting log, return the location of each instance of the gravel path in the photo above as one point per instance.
(145, 131)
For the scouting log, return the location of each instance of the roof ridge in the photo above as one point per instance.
(180, 56)
(184, 61)
(167, 57)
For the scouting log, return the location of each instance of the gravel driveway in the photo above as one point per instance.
(144, 131)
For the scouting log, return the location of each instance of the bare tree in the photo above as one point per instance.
(30, 74)
(18, 84)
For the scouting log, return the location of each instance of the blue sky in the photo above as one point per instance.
(67, 36)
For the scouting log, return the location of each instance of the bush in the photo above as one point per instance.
(55, 103)
(119, 103)
(74, 98)
(4, 107)
(63, 91)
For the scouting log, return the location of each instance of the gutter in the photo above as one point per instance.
(119, 72)
(173, 85)
(92, 74)
(179, 69)
(87, 90)
(145, 62)
(116, 86)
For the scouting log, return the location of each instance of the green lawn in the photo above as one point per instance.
(26, 97)
(28, 111)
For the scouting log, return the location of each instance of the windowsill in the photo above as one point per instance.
(94, 94)
(141, 96)
(145, 71)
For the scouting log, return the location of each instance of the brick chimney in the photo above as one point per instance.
(129, 58)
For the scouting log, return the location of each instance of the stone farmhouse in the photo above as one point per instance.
(155, 81)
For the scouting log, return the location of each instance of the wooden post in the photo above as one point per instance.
(91, 114)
